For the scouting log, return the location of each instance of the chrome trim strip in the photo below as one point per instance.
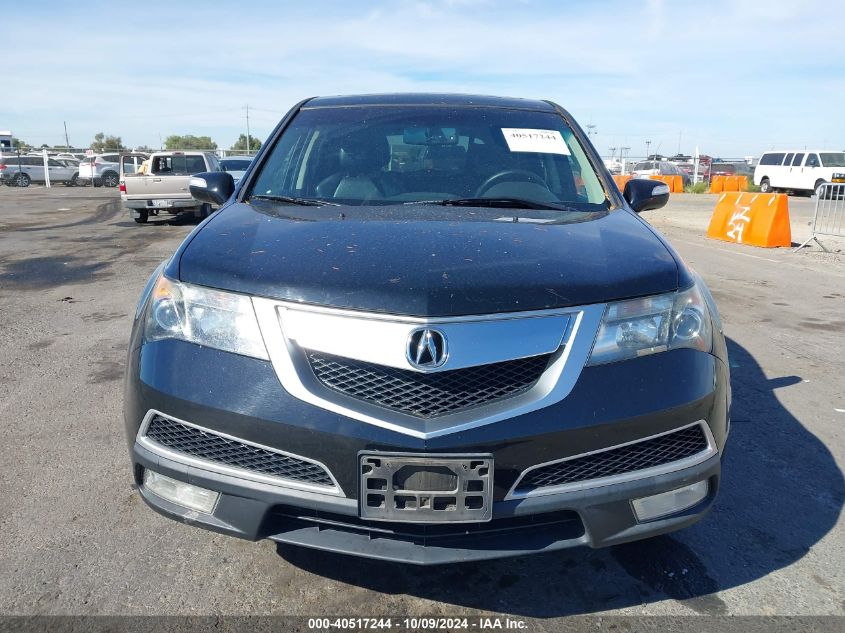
(189, 460)
(634, 475)
(555, 383)
(383, 340)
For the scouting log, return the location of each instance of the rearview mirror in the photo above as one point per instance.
(644, 194)
(212, 186)
(430, 136)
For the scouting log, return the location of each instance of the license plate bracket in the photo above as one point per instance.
(425, 488)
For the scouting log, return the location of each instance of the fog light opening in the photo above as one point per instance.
(671, 502)
(180, 493)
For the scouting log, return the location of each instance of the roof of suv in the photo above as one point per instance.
(411, 99)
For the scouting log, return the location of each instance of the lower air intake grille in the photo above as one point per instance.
(427, 395)
(618, 461)
(228, 452)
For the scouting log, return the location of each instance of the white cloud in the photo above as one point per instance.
(726, 73)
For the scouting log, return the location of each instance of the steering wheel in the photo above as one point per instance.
(509, 175)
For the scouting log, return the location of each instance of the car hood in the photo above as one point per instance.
(427, 260)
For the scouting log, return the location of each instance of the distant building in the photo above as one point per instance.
(5, 141)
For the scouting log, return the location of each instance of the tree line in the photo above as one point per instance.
(106, 142)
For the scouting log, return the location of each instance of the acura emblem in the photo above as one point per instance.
(426, 348)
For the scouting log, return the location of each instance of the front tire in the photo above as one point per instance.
(766, 186)
(817, 189)
(143, 216)
(203, 211)
(22, 180)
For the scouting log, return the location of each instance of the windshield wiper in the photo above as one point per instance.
(305, 202)
(498, 203)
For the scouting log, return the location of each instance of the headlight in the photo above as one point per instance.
(637, 327)
(213, 318)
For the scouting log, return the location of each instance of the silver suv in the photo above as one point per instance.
(101, 169)
(20, 171)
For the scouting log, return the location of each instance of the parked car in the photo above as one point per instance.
(236, 165)
(659, 167)
(486, 354)
(730, 169)
(73, 165)
(100, 170)
(20, 171)
(163, 184)
(798, 170)
(70, 155)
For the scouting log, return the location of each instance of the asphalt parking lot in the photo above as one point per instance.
(75, 538)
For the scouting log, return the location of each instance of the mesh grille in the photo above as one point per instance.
(427, 395)
(567, 523)
(214, 448)
(617, 461)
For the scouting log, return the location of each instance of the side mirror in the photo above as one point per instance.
(212, 186)
(644, 195)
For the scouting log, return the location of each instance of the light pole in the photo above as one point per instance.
(248, 140)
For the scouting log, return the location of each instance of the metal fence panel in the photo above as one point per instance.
(829, 216)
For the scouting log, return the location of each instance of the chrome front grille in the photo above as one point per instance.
(427, 395)
(208, 446)
(628, 459)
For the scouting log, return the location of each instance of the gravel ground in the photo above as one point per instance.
(76, 539)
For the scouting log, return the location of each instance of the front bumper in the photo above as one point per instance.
(160, 204)
(241, 397)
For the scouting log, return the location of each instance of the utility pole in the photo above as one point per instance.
(248, 139)
(623, 155)
(67, 142)
(647, 145)
(591, 129)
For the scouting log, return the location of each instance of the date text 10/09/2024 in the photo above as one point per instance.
(417, 624)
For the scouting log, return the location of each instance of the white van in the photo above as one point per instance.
(798, 170)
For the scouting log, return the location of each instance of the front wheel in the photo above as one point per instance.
(203, 211)
(22, 180)
(818, 188)
(765, 186)
(143, 216)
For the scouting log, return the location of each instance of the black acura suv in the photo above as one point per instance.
(428, 328)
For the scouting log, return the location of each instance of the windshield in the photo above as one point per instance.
(234, 164)
(390, 155)
(833, 159)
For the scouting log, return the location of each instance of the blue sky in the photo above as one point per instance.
(733, 77)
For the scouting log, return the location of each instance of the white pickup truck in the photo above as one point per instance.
(162, 185)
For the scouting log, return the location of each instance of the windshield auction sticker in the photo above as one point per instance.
(541, 141)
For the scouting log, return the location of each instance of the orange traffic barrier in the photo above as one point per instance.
(758, 219)
(675, 183)
(717, 184)
(621, 181)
